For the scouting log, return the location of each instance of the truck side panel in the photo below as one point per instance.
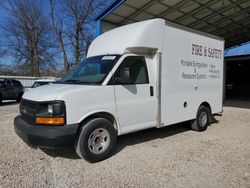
(192, 73)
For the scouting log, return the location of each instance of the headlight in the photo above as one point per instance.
(51, 113)
(50, 109)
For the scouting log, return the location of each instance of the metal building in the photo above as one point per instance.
(229, 19)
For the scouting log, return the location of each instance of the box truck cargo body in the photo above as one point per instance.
(143, 75)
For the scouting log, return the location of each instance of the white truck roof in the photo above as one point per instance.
(136, 37)
(141, 37)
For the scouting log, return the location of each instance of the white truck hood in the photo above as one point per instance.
(54, 91)
(80, 100)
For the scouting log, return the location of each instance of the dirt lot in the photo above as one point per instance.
(170, 157)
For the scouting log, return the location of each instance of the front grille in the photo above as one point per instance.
(28, 111)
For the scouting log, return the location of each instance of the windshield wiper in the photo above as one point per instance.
(72, 81)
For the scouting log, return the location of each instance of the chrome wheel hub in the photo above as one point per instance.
(203, 119)
(99, 141)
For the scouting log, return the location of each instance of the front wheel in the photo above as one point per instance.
(96, 140)
(202, 119)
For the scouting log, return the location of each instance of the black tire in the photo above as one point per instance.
(202, 119)
(1, 99)
(88, 144)
(19, 97)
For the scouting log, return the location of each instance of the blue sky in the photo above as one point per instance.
(239, 50)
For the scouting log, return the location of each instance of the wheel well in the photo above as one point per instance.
(206, 104)
(104, 115)
(20, 94)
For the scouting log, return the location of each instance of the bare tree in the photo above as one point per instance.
(76, 21)
(58, 26)
(30, 36)
(3, 52)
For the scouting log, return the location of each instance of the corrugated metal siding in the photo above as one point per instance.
(229, 19)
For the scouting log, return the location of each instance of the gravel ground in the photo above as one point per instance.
(170, 157)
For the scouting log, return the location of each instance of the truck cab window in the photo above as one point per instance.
(137, 67)
(16, 83)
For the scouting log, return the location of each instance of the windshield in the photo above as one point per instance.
(92, 70)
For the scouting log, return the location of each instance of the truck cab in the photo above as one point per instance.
(117, 90)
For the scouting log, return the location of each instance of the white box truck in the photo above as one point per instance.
(143, 75)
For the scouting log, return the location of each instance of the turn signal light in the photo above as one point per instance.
(50, 120)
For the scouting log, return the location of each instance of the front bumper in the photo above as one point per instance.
(45, 136)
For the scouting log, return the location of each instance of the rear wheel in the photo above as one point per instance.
(202, 119)
(96, 140)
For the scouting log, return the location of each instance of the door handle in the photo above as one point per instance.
(151, 91)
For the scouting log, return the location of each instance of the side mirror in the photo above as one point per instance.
(124, 76)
